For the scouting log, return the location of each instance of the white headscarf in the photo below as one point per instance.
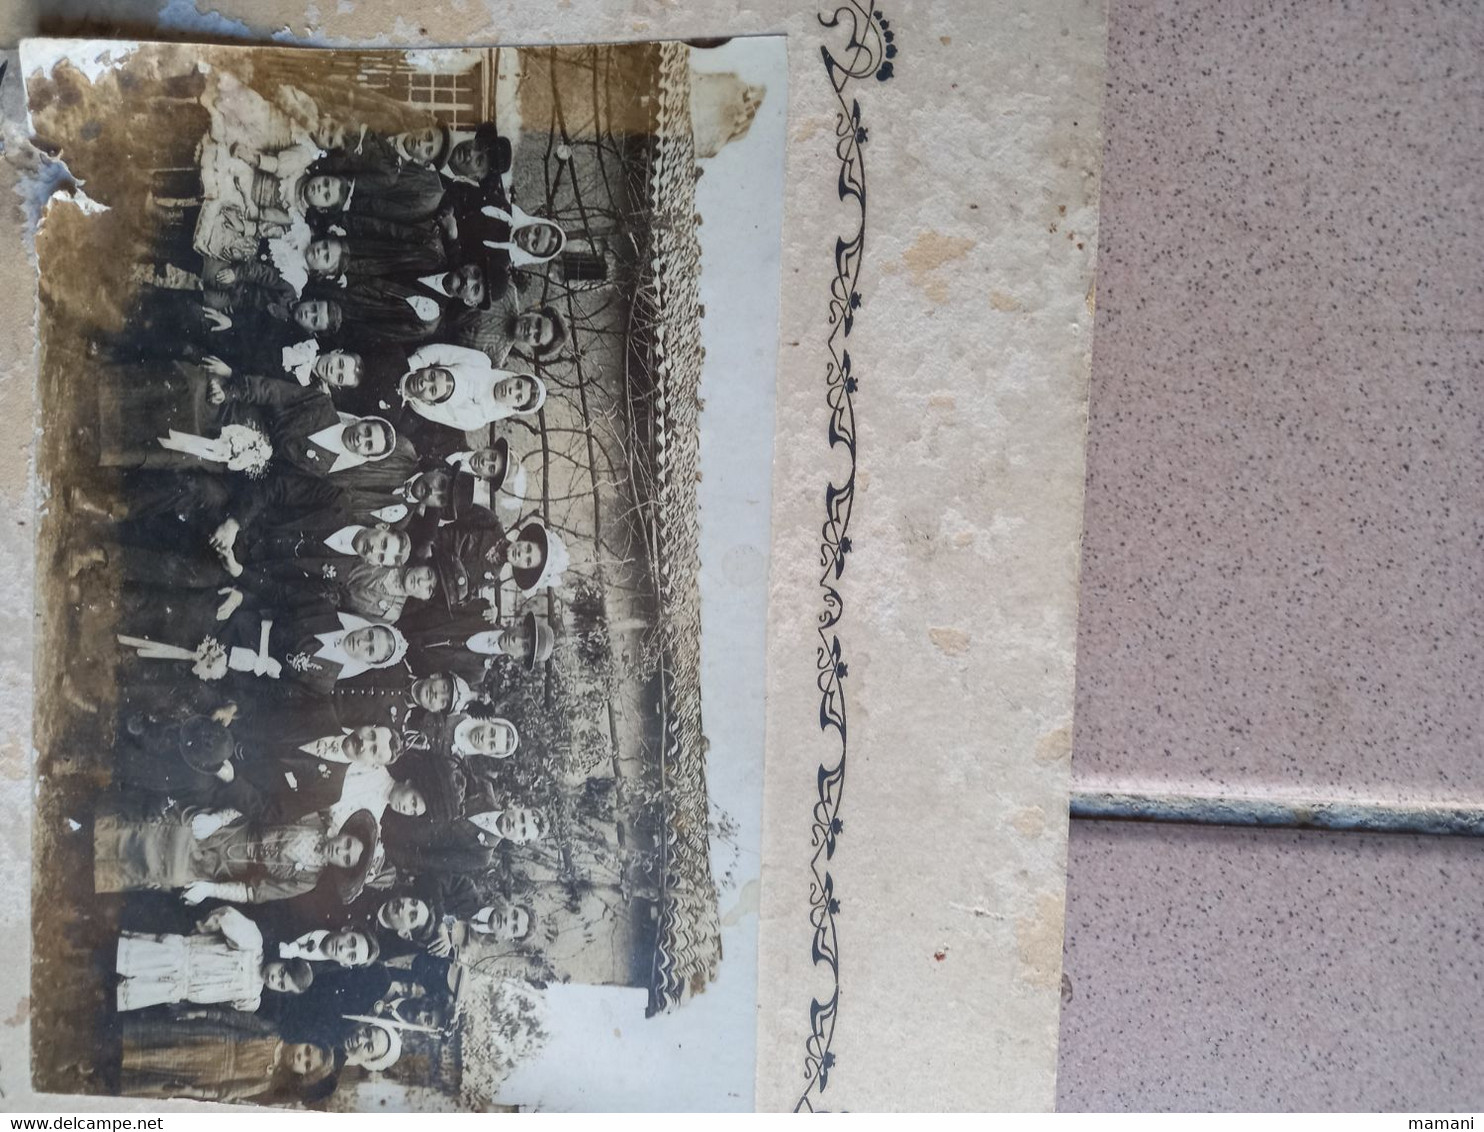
(517, 219)
(472, 403)
(343, 541)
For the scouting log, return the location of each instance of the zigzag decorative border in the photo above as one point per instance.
(867, 53)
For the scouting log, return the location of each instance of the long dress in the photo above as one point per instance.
(226, 1056)
(221, 966)
(275, 861)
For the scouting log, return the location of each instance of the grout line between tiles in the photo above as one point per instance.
(1195, 809)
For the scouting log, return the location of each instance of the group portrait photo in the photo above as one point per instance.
(405, 432)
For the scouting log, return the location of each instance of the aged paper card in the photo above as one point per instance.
(378, 656)
(889, 927)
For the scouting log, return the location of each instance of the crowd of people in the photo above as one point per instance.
(323, 615)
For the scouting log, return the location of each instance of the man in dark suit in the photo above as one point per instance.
(309, 435)
(310, 646)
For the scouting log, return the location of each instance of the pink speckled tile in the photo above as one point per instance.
(1283, 588)
(1218, 969)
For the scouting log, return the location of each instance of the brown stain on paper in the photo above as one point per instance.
(1030, 822)
(21, 1014)
(953, 642)
(927, 255)
(1003, 302)
(1038, 942)
(1055, 745)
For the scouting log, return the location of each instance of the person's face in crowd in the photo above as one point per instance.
(324, 256)
(510, 923)
(366, 438)
(469, 159)
(511, 642)
(524, 555)
(538, 239)
(408, 801)
(325, 191)
(493, 737)
(369, 746)
(534, 329)
(345, 851)
(521, 824)
(433, 693)
(515, 392)
(372, 644)
(425, 1016)
(422, 145)
(339, 368)
(431, 385)
(420, 581)
(276, 977)
(405, 914)
(367, 1043)
(466, 284)
(485, 463)
(430, 488)
(378, 546)
(312, 315)
(349, 948)
(305, 1059)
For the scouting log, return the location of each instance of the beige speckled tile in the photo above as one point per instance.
(1283, 588)
(1218, 969)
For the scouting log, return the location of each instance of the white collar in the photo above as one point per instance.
(332, 439)
(335, 756)
(435, 282)
(424, 307)
(392, 513)
(343, 541)
(310, 945)
(332, 646)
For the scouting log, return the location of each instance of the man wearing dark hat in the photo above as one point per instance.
(478, 158)
(484, 552)
(190, 760)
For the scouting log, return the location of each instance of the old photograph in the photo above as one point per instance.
(405, 433)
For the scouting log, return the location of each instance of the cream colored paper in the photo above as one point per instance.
(969, 349)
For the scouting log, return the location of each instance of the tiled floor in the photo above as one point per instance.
(1225, 969)
(1283, 580)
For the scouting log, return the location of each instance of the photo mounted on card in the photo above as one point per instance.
(399, 678)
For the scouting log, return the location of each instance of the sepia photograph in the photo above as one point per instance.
(405, 437)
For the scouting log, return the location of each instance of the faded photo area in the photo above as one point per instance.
(400, 665)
